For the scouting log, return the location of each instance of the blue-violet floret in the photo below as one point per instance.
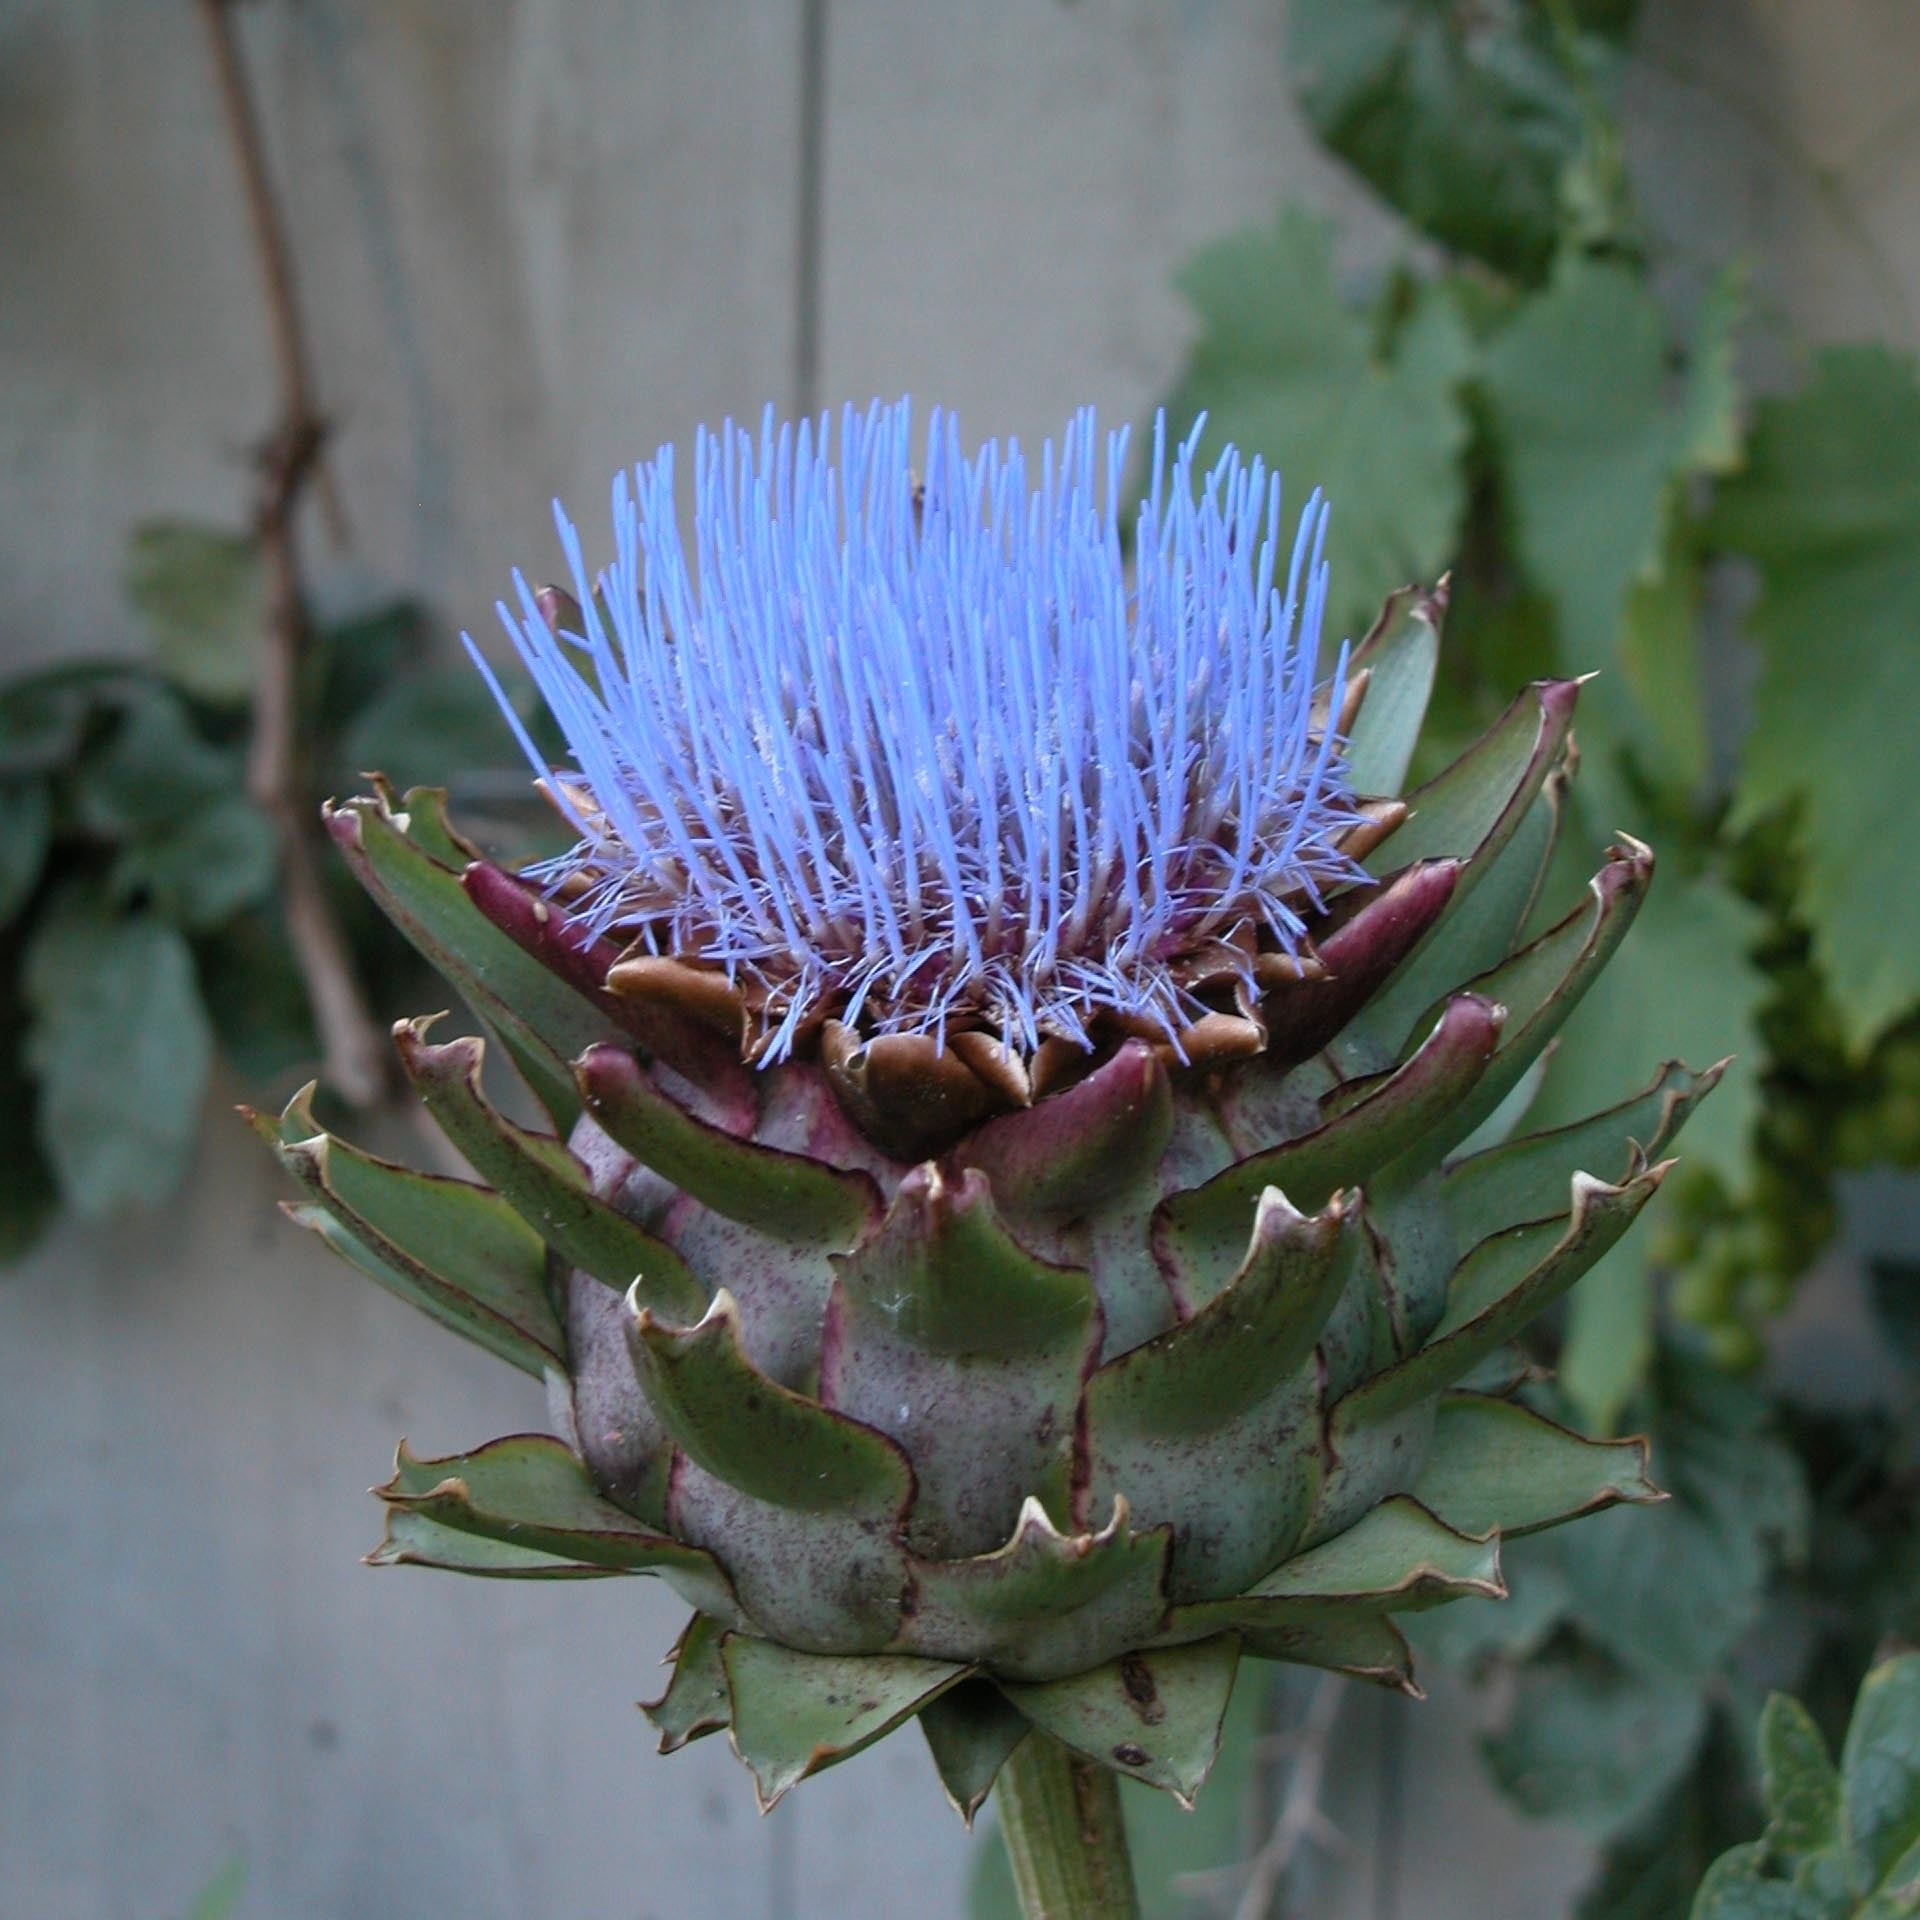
(920, 745)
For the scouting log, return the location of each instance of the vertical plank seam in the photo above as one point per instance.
(807, 224)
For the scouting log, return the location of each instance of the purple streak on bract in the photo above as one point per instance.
(926, 751)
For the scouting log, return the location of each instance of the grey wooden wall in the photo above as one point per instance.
(537, 239)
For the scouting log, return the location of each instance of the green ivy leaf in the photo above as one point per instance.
(431, 727)
(44, 716)
(1609, 1345)
(150, 769)
(202, 592)
(28, 1197)
(1462, 1637)
(26, 833)
(1464, 118)
(1592, 1744)
(1669, 1595)
(203, 869)
(1843, 1847)
(1829, 511)
(1880, 1783)
(1650, 1871)
(119, 1042)
(251, 984)
(1894, 1285)
(1801, 1785)
(1596, 439)
(353, 661)
(1660, 663)
(1288, 370)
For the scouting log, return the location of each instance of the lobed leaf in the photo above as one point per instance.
(1595, 446)
(203, 867)
(1672, 1592)
(118, 1041)
(1828, 509)
(1465, 123)
(1591, 1746)
(1292, 372)
(203, 594)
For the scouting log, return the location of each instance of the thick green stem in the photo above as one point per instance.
(1065, 1834)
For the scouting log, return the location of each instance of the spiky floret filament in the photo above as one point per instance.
(923, 747)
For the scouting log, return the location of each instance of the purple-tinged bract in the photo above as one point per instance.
(1113, 1271)
(912, 748)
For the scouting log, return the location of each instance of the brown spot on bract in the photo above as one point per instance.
(1129, 1755)
(1137, 1677)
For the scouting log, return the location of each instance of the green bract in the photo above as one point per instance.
(1001, 1392)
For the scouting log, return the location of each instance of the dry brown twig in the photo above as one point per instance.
(355, 1062)
(1299, 1819)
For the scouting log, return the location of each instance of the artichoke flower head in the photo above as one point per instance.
(1026, 1219)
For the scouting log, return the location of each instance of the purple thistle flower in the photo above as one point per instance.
(918, 752)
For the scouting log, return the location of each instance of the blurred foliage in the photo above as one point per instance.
(1285, 359)
(1519, 399)
(1841, 1842)
(140, 930)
